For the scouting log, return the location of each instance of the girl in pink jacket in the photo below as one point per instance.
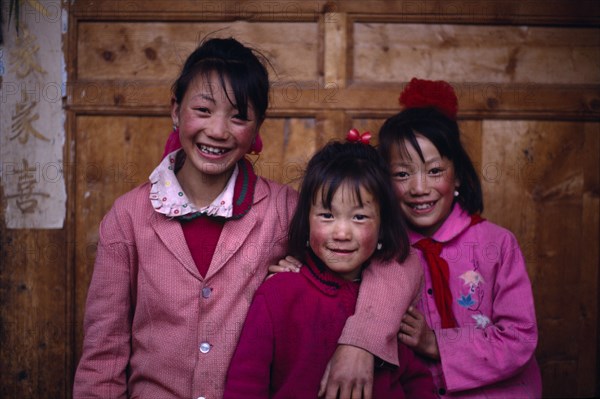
(180, 257)
(475, 323)
(347, 215)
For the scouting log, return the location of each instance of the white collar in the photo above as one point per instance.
(167, 196)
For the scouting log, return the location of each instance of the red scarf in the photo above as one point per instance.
(440, 274)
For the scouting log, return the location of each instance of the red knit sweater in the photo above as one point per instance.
(291, 332)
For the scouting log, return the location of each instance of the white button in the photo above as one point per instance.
(206, 291)
(204, 347)
(201, 397)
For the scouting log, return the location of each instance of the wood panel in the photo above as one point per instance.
(527, 76)
(589, 327)
(288, 144)
(558, 12)
(33, 323)
(395, 52)
(477, 99)
(151, 51)
(534, 185)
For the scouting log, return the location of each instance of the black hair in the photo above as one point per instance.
(444, 133)
(360, 166)
(229, 59)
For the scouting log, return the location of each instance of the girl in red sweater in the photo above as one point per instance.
(347, 215)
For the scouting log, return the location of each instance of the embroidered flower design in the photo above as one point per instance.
(481, 320)
(472, 278)
(466, 301)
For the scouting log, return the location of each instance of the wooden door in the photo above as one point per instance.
(528, 79)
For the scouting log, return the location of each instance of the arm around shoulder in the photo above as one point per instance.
(386, 292)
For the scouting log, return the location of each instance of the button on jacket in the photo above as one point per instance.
(152, 327)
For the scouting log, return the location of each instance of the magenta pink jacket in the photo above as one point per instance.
(491, 352)
(154, 328)
(291, 332)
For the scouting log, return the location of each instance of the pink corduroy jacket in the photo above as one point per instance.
(154, 328)
(491, 354)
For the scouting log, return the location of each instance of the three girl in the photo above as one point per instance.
(475, 322)
(180, 257)
(346, 216)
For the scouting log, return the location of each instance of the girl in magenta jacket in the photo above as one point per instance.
(475, 322)
(181, 256)
(346, 216)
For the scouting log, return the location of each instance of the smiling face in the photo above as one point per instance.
(425, 189)
(345, 236)
(212, 133)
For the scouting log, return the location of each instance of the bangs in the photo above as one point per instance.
(233, 72)
(411, 138)
(348, 179)
(328, 191)
(407, 125)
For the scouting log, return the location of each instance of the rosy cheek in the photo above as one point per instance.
(399, 190)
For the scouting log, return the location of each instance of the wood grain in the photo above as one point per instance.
(395, 52)
(138, 51)
(534, 185)
(527, 74)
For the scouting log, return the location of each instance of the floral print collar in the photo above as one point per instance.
(167, 196)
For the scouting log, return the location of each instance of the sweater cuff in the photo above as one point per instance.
(371, 338)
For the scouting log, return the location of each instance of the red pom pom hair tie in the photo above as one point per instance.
(421, 93)
(354, 136)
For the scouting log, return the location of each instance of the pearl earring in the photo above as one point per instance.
(379, 245)
(307, 244)
(456, 193)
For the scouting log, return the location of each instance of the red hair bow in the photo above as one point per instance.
(421, 93)
(354, 136)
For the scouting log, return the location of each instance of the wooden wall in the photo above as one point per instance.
(528, 79)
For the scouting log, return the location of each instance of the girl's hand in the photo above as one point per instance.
(349, 374)
(416, 334)
(288, 264)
